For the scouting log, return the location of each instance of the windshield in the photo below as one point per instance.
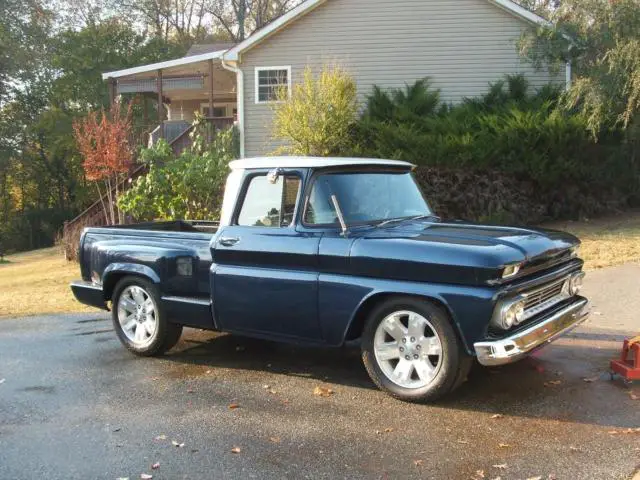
(365, 198)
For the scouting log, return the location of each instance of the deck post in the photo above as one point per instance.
(112, 87)
(160, 104)
(145, 120)
(210, 115)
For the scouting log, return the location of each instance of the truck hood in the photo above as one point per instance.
(456, 252)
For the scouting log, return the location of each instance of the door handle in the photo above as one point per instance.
(228, 241)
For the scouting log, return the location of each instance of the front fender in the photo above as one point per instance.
(343, 299)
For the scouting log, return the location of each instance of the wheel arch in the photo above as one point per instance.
(366, 306)
(117, 271)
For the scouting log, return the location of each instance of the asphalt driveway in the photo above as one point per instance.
(75, 405)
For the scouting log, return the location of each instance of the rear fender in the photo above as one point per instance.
(115, 271)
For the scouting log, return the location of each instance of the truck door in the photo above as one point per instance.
(264, 276)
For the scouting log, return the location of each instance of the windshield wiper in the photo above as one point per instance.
(404, 219)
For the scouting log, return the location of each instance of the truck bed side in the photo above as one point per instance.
(177, 262)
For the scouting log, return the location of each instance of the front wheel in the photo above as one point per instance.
(139, 320)
(411, 350)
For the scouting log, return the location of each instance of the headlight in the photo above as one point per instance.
(509, 314)
(575, 283)
(510, 270)
(573, 253)
(518, 311)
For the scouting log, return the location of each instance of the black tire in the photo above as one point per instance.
(166, 334)
(452, 369)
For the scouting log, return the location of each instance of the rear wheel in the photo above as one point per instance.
(411, 351)
(139, 320)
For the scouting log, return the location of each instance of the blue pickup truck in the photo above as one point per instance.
(322, 251)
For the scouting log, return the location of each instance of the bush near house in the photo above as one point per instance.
(318, 117)
(187, 187)
(507, 157)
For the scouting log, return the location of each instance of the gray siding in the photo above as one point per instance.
(462, 45)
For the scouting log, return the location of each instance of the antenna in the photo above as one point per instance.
(336, 205)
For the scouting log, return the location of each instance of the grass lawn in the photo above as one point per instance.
(606, 241)
(37, 282)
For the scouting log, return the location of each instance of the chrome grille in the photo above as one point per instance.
(543, 298)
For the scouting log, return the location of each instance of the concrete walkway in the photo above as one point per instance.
(615, 297)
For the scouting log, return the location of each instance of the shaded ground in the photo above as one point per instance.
(75, 404)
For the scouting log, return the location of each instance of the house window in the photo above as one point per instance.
(269, 81)
(269, 204)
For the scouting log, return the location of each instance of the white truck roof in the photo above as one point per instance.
(311, 162)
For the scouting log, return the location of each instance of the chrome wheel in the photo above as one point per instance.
(137, 315)
(407, 349)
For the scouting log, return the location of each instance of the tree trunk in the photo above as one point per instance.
(242, 14)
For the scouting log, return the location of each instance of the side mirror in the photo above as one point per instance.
(273, 175)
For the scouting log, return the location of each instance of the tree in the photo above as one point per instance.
(24, 25)
(103, 141)
(80, 57)
(240, 18)
(319, 115)
(602, 40)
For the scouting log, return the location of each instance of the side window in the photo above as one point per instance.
(269, 204)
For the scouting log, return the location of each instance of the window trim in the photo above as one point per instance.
(246, 182)
(266, 69)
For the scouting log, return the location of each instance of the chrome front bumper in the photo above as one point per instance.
(518, 345)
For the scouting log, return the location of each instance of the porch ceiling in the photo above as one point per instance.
(181, 82)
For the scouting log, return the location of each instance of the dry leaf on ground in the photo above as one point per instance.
(501, 466)
(634, 396)
(161, 437)
(177, 444)
(233, 406)
(497, 415)
(539, 477)
(504, 445)
(418, 463)
(322, 391)
(155, 466)
(591, 379)
(274, 439)
(552, 382)
(480, 473)
(235, 450)
(145, 476)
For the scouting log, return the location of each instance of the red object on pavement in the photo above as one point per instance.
(628, 366)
